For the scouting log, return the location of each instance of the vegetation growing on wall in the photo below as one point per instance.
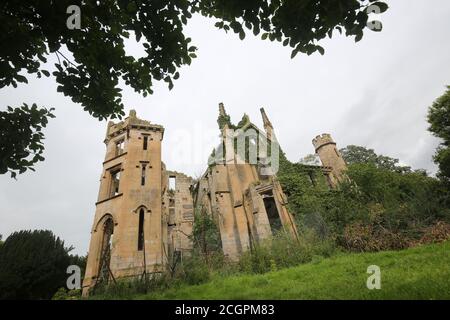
(380, 208)
(205, 234)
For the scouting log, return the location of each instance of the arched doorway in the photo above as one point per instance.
(107, 229)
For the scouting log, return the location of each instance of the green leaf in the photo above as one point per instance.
(21, 78)
(320, 49)
(242, 35)
(256, 30)
(46, 73)
(236, 26)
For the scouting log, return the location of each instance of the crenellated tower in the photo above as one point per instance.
(330, 157)
(126, 236)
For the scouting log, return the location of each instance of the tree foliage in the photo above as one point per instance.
(299, 24)
(92, 60)
(32, 265)
(21, 138)
(356, 154)
(439, 120)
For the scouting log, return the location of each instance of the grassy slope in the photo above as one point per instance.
(418, 273)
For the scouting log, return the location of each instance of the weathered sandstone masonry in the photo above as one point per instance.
(247, 205)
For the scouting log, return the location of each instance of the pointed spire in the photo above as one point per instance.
(222, 109)
(267, 125)
(266, 120)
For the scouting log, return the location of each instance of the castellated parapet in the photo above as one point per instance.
(322, 140)
(330, 157)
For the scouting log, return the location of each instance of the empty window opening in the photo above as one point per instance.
(115, 181)
(272, 214)
(143, 175)
(141, 230)
(172, 182)
(120, 144)
(145, 142)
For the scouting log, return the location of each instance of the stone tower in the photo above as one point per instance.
(126, 236)
(330, 157)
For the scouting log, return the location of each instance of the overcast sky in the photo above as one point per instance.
(374, 93)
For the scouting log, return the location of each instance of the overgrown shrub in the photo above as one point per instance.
(194, 270)
(64, 294)
(283, 251)
(437, 233)
(368, 237)
(205, 234)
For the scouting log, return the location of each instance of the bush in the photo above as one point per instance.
(64, 294)
(205, 234)
(283, 251)
(362, 238)
(437, 233)
(32, 265)
(194, 270)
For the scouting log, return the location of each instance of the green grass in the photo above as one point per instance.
(417, 273)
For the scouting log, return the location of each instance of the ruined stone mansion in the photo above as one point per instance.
(145, 213)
